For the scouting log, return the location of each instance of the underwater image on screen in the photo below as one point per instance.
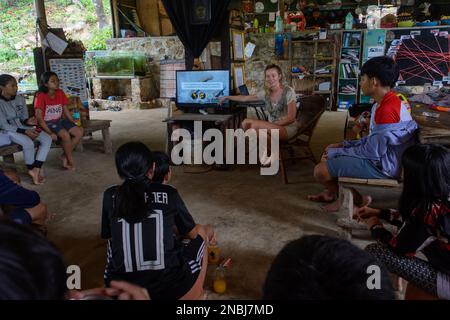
(202, 87)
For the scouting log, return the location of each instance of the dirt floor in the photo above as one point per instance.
(255, 215)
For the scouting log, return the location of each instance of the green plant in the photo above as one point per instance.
(7, 54)
(91, 18)
(87, 4)
(98, 39)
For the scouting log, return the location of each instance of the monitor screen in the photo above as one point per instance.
(202, 88)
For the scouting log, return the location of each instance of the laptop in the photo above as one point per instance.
(243, 90)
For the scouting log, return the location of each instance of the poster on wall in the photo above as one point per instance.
(423, 55)
(72, 78)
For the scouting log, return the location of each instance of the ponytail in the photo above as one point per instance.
(133, 162)
(130, 201)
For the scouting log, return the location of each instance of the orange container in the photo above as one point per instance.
(213, 254)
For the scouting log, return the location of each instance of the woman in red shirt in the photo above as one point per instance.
(50, 104)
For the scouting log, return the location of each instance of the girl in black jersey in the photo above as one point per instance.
(138, 220)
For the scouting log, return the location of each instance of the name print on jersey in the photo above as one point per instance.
(53, 112)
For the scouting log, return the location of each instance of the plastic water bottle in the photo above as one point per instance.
(349, 21)
(370, 22)
(76, 117)
(279, 51)
(278, 23)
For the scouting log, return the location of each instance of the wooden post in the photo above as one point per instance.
(39, 6)
(281, 9)
(116, 21)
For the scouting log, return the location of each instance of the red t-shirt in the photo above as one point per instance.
(389, 110)
(52, 109)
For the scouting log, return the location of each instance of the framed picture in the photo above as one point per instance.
(238, 44)
(201, 11)
(238, 74)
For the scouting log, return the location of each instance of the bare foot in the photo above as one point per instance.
(359, 199)
(324, 196)
(64, 160)
(34, 174)
(41, 175)
(66, 163)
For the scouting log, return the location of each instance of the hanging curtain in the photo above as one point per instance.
(195, 37)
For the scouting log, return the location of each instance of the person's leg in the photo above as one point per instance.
(414, 270)
(66, 143)
(261, 125)
(246, 124)
(323, 176)
(11, 174)
(328, 171)
(45, 143)
(207, 233)
(414, 293)
(77, 134)
(38, 213)
(28, 154)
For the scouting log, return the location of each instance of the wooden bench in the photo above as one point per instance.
(7, 152)
(90, 126)
(386, 189)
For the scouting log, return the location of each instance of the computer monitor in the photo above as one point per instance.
(202, 88)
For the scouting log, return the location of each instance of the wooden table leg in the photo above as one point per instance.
(107, 140)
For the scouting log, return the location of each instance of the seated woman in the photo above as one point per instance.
(139, 219)
(280, 104)
(14, 120)
(424, 221)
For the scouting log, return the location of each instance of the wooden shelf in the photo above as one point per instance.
(325, 59)
(312, 41)
(322, 91)
(325, 75)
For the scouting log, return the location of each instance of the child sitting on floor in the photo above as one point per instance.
(139, 218)
(319, 267)
(424, 222)
(163, 171)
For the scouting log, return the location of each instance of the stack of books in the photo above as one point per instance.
(349, 71)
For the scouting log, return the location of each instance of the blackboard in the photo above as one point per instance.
(422, 54)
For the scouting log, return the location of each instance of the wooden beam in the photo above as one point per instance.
(116, 21)
(39, 7)
(281, 9)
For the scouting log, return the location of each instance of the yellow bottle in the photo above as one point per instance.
(213, 253)
(219, 284)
